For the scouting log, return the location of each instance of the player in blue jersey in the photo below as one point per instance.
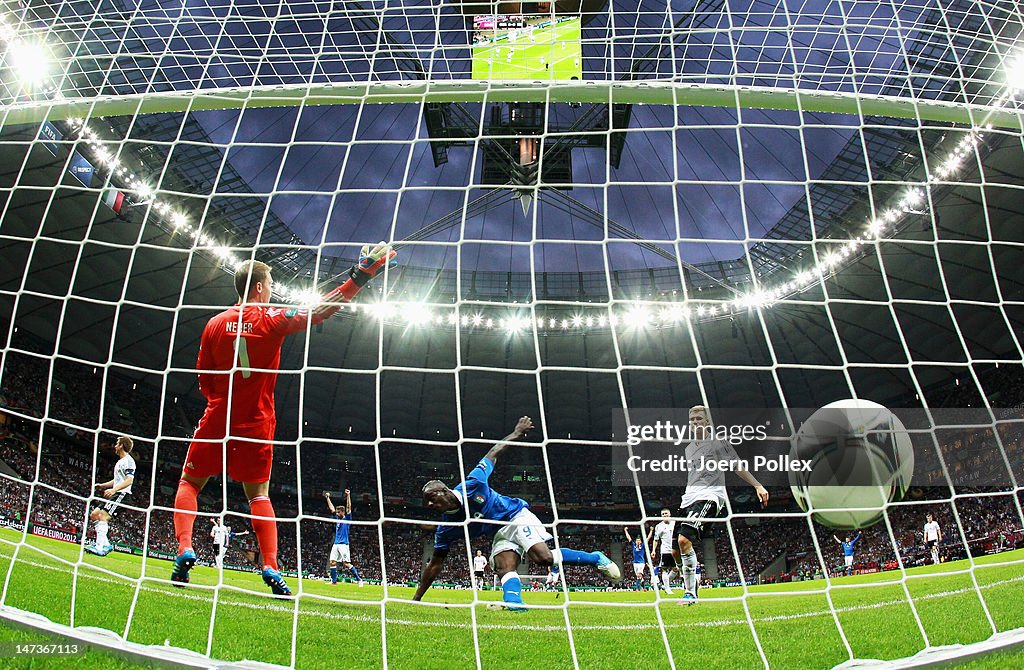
(639, 548)
(848, 549)
(518, 533)
(340, 552)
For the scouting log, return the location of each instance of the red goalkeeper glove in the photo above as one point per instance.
(370, 263)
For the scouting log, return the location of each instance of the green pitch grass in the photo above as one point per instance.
(341, 626)
(553, 53)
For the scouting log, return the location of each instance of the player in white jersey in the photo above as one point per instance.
(222, 536)
(665, 547)
(479, 564)
(932, 537)
(705, 495)
(115, 491)
(551, 580)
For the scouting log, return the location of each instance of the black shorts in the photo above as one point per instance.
(696, 513)
(931, 544)
(112, 504)
(668, 561)
(479, 574)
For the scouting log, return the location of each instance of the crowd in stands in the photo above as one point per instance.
(51, 438)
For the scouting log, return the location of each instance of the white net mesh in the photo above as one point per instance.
(738, 204)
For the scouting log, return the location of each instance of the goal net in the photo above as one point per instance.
(600, 209)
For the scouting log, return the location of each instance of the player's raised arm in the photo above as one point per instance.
(371, 261)
(348, 502)
(628, 538)
(838, 541)
(430, 572)
(330, 504)
(523, 426)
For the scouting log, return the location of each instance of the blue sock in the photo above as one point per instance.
(512, 588)
(355, 573)
(334, 575)
(574, 557)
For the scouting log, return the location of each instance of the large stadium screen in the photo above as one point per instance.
(526, 46)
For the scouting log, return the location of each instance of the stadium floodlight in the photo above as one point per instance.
(144, 190)
(306, 297)
(30, 60)
(1015, 73)
(417, 314)
(639, 315)
(516, 324)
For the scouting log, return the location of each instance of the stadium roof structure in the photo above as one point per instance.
(259, 44)
(308, 205)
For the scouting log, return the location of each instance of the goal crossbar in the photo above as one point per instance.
(642, 92)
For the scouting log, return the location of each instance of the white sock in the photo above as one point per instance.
(690, 571)
(101, 534)
(665, 580)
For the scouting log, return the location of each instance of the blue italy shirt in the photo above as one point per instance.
(484, 503)
(848, 546)
(638, 554)
(341, 530)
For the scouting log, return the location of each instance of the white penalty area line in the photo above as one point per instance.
(518, 625)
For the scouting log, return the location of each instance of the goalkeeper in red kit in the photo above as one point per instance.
(239, 356)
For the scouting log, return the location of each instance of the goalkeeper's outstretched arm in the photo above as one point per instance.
(371, 261)
(430, 572)
(523, 426)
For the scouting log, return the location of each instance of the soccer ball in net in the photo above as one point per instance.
(861, 458)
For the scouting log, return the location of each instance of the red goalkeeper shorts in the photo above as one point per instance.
(250, 453)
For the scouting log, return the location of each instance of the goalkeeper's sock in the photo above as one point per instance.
(512, 588)
(185, 502)
(265, 529)
(355, 573)
(574, 557)
(334, 575)
(689, 571)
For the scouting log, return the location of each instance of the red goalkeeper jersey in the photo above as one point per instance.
(251, 345)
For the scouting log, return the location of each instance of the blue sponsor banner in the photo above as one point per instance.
(50, 135)
(81, 169)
